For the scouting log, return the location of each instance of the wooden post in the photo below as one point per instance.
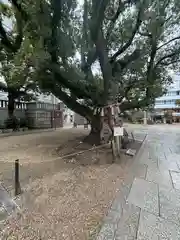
(16, 176)
(120, 145)
(117, 145)
(114, 149)
(132, 135)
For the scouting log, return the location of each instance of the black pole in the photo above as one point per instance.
(16, 176)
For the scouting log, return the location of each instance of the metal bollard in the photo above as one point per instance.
(16, 178)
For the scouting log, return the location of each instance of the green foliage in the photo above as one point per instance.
(177, 102)
(99, 52)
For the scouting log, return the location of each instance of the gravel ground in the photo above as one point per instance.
(67, 205)
(36, 147)
(60, 200)
(33, 152)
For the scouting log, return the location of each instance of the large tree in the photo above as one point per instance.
(15, 63)
(85, 54)
(16, 79)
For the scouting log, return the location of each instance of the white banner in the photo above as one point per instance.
(118, 131)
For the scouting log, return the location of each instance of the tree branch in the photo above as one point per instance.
(98, 11)
(84, 46)
(164, 44)
(72, 103)
(126, 90)
(129, 42)
(5, 40)
(128, 105)
(123, 63)
(56, 17)
(166, 57)
(91, 58)
(120, 65)
(145, 34)
(170, 63)
(113, 20)
(19, 36)
(77, 88)
(106, 68)
(150, 67)
(19, 9)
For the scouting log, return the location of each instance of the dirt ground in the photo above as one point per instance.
(64, 198)
(36, 147)
(34, 152)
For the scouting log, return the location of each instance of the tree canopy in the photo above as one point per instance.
(97, 52)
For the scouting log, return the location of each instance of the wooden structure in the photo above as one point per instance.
(110, 120)
(40, 115)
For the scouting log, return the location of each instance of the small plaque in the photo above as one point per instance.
(131, 152)
(118, 131)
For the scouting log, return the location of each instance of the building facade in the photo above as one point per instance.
(45, 102)
(168, 101)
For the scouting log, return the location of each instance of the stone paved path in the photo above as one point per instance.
(148, 208)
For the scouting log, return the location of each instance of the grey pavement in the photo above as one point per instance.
(148, 206)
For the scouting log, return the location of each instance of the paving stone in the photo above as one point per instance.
(157, 160)
(168, 165)
(173, 157)
(107, 231)
(170, 204)
(175, 179)
(152, 227)
(140, 170)
(115, 210)
(178, 163)
(144, 194)
(160, 177)
(151, 163)
(117, 203)
(113, 215)
(161, 158)
(128, 225)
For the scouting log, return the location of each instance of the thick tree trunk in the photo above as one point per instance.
(11, 105)
(12, 121)
(94, 137)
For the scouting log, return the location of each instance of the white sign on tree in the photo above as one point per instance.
(118, 131)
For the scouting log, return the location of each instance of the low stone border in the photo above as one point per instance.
(119, 205)
(23, 131)
(9, 130)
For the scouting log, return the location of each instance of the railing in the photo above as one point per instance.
(19, 105)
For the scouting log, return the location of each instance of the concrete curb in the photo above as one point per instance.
(12, 134)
